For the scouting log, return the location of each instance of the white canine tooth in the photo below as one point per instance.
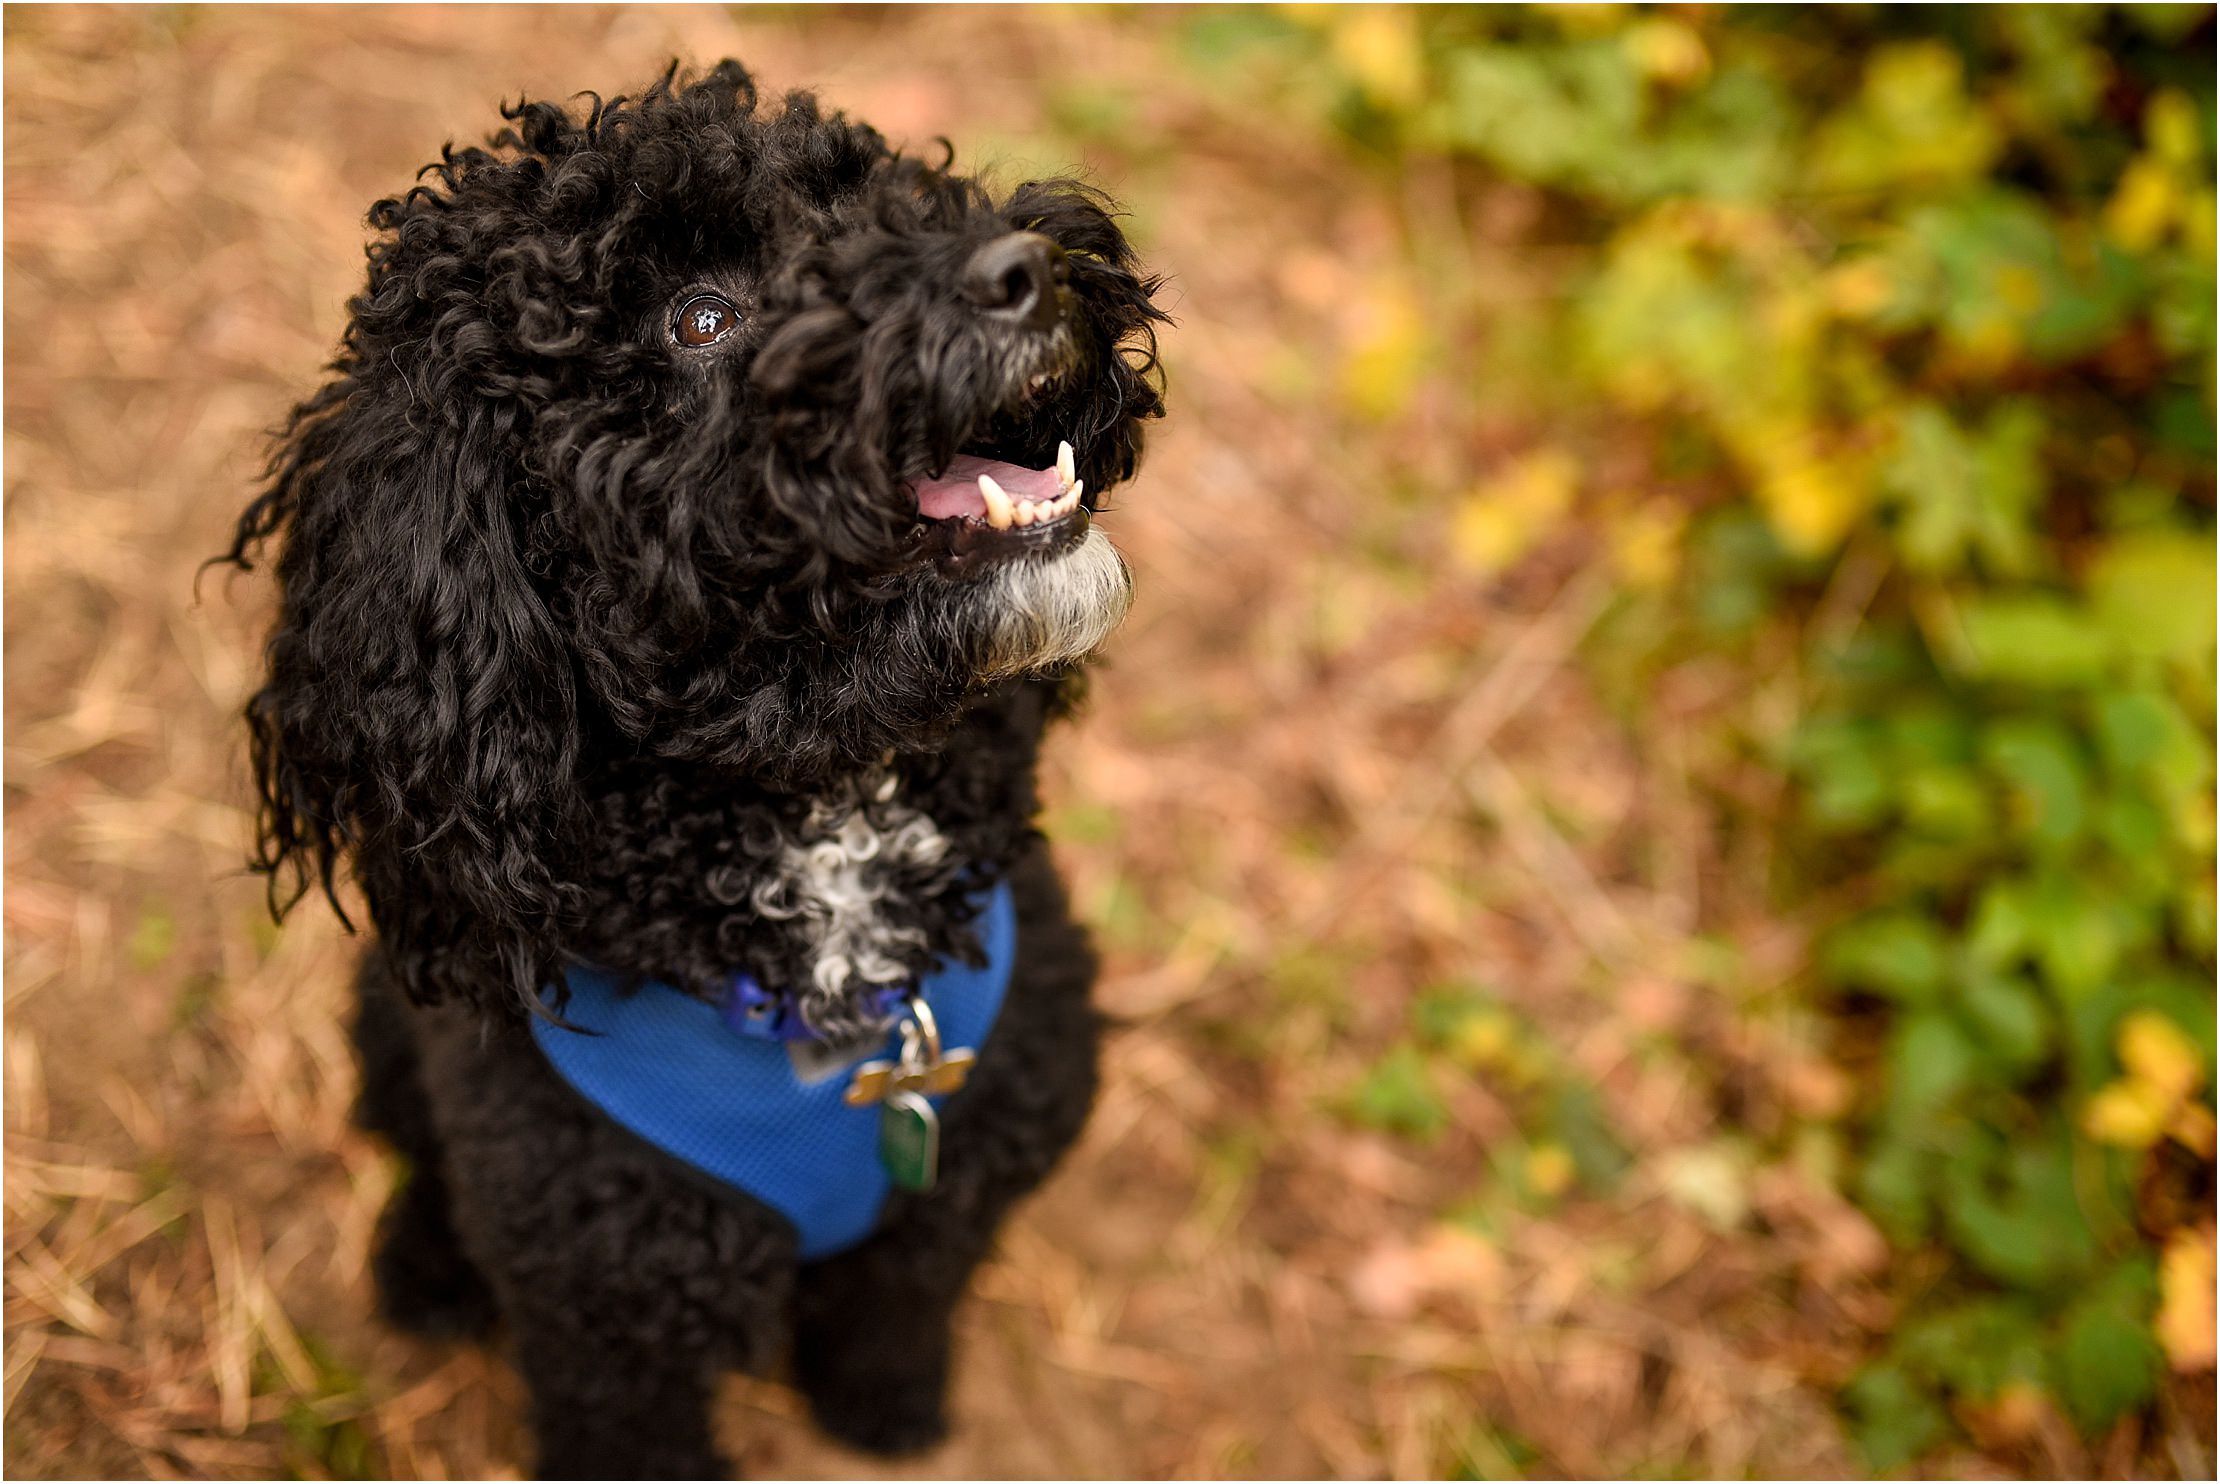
(1078, 488)
(1067, 467)
(998, 502)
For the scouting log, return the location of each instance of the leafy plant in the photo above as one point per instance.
(1916, 307)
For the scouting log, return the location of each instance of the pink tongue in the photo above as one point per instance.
(956, 492)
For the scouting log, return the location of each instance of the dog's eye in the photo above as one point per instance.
(704, 319)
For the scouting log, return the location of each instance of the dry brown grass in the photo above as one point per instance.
(1308, 785)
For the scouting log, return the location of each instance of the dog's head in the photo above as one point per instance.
(678, 427)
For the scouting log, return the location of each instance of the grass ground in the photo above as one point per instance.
(1322, 776)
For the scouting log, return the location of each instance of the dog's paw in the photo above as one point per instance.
(905, 1417)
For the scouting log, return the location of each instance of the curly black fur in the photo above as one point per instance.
(584, 630)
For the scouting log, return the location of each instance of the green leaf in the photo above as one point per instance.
(1930, 1061)
(1967, 492)
(2003, 925)
(2016, 1212)
(1898, 954)
(1844, 768)
(1911, 126)
(2002, 276)
(2153, 592)
(1928, 735)
(1947, 803)
(2009, 1020)
(2077, 932)
(1975, 1348)
(1578, 1122)
(1567, 115)
(2108, 1365)
(2034, 639)
(2091, 1024)
(1398, 1096)
(1441, 1010)
(2132, 827)
(1892, 1185)
(1892, 1418)
(2137, 729)
(2037, 760)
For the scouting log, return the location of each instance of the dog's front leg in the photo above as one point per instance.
(871, 1334)
(871, 1331)
(627, 1288)
(605, 1406)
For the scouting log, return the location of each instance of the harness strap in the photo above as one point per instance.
(762, 1111)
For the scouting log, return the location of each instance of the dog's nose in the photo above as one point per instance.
(1016, 278)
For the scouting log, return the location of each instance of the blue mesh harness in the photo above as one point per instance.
(740, 1092)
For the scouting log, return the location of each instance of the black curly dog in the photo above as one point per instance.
(643, 609)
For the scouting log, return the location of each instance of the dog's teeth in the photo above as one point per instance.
(1067, 467)
(1078, 488)
(999, 512)
(1025, 514)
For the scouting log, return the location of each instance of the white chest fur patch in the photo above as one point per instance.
(834, 880)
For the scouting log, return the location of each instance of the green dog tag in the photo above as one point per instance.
(909, 1141)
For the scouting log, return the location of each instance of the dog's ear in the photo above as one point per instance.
(419, 714)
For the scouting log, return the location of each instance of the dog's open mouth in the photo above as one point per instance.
(980, 510)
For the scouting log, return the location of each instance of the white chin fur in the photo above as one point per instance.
(1046, 613)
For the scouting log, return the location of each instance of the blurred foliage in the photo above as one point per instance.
(1910, 313)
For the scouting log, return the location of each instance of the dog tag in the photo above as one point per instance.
(909, 1141)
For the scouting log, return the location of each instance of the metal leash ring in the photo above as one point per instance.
(920, 1036)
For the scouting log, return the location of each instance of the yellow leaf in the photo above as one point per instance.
(1668, 50)
(1549, 1170)
(2020, 288)
(1810, 501)
(2141, 205)
(2157, 1054)
(2170, 124)
(1860, 288)
(1387, 355)
(2185, 1320)
(2126, 1114)
(2197, 233)
(1500, 521)
(1379, 45)
(1483, 1039)
(1580, 18)
(1645, 544)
